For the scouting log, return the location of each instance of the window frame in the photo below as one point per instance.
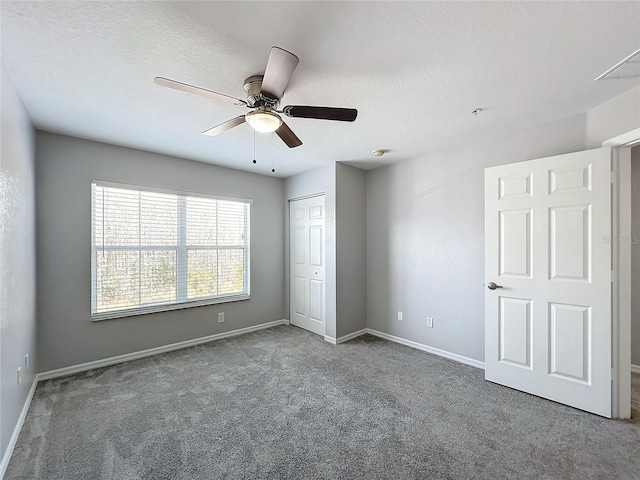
(181, 249)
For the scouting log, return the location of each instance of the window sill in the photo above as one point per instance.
(166, 307)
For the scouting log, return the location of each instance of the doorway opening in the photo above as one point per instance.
(623, 288)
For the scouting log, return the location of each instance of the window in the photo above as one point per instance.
(154, 250)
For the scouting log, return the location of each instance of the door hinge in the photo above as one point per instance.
(613, 177)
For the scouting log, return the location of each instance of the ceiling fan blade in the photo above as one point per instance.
(323, 113)
(287, 136)
(280, 67)
(165, 82)
(224, 126)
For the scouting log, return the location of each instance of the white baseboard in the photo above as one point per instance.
(346, 338)
(635, 368)
(408, 343)
(105, 362)
(16, 431)
(427, 348)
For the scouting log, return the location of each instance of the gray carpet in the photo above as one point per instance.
(282, 403)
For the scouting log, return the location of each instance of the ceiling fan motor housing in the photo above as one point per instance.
(255, 98)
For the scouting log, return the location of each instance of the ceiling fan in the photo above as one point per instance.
(264, 93)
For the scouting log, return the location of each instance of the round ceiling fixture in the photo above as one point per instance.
(263, 121)
(379, 152)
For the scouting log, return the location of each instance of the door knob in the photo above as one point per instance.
(493, 286)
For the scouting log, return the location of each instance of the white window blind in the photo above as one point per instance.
(155, 250)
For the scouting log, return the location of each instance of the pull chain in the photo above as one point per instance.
(273, 154)
(254, 146)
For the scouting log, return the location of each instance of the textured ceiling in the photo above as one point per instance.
(414, 70)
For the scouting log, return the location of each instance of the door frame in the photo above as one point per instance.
(324, 233)
(621, 274)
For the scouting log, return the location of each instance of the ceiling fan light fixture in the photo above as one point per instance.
(263, 121)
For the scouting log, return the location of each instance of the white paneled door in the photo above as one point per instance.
(548, 278)
(306, 246)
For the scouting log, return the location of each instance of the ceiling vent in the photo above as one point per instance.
(627, 68)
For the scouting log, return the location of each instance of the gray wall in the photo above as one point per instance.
(425, 236)
(17, 258)
(619, 115)
(351, 249)
(316, 181)
(635, 256)
(65, 168)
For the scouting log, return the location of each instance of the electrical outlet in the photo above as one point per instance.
(221, 317)
(399, 315)
(430, 322)
(26, 362)
(19, 375)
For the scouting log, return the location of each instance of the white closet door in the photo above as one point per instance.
(307, 261)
